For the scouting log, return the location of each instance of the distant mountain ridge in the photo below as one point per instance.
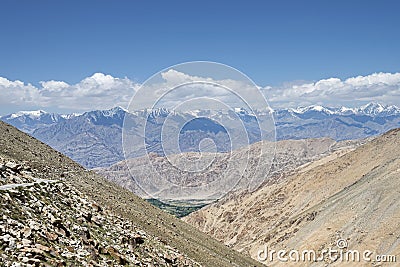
(370, 109)
(28, 121)
(94, 138)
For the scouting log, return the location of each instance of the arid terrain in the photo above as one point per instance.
(81, 217)
(318, 192)
(199, 133)
(266, 161)
(48, 223)
(352, 196)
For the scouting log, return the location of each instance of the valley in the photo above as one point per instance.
(161, 239)
(310, 194)
(199, 133)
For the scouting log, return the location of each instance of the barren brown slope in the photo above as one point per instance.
(53, 165)
(354, 197)
(48, 223)
(289, 154)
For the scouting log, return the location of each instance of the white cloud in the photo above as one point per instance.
(378, 87)
(172, 89)
(101, 91)
(15, 92)
(55, 86)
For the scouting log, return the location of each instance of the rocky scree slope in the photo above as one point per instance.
(153, 225)
(52, 224)
(13, 173)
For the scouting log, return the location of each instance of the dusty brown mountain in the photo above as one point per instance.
(163, 232)
(354, 196)
(289, 154)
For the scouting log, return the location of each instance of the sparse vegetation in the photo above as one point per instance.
(178, 209)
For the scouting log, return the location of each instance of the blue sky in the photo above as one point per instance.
(68, 55)
(271, 41)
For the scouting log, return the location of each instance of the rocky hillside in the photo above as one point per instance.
(352, 196)
(13, 173)
(52, 224)
(68, 216)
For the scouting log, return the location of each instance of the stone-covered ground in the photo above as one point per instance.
(51, 224)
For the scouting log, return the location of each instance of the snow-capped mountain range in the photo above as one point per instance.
(40, 117)
(28, 121)
(371, 109)
(94, 138)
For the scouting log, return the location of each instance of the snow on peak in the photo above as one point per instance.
(158, 112)
(376, 109)
(372, 108)
(239, 110)
(70, 116)
(34, 114)
(346, 109)
(318, 108)
(121, 108)
(116, 111)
